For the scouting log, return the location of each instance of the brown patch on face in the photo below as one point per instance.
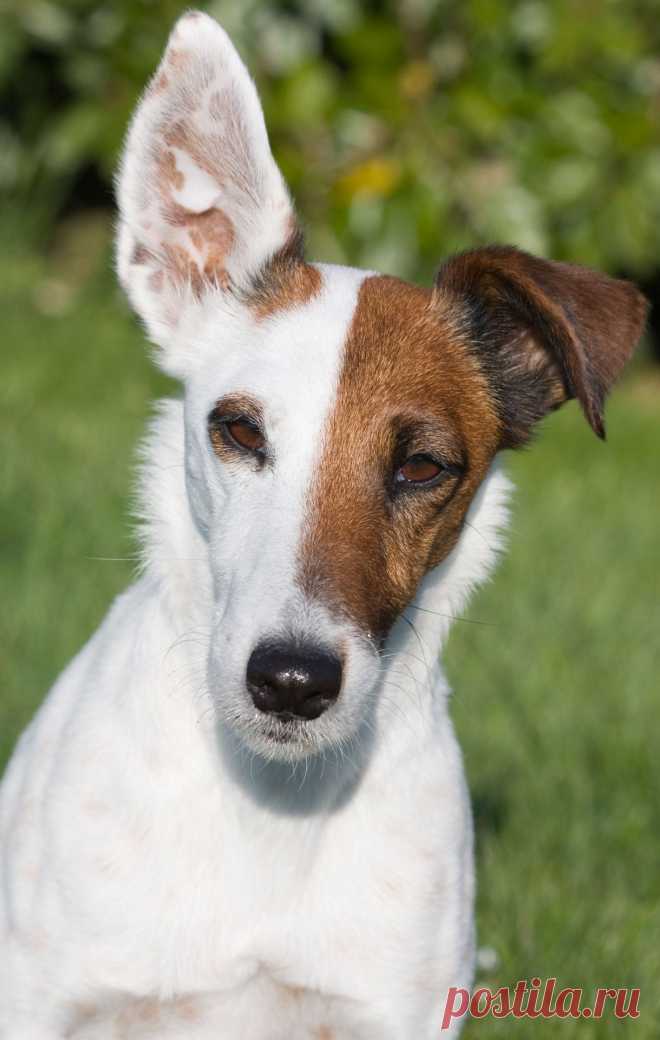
(409, 385)
(325, 1033)
(286, 281)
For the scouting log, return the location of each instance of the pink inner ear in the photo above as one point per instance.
(198, 253)
(202, 202)
(200, 163)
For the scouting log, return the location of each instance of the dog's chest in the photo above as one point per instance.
(224, 892)
(157, 879)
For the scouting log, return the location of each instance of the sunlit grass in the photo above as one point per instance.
(557, 710)
(556, 697)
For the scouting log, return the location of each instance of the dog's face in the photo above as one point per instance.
(329, 468)
(338, 423)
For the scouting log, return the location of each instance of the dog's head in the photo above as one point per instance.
(338, 422)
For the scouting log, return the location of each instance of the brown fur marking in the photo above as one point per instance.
(408, 372)
(178, 58)
(140, 1012)
(199, 258)
(292, 993)
(211, 232)
(159, 83)
(187, 1008)
(141, 255)
(543, 332)
(286, 281)
(156, 281)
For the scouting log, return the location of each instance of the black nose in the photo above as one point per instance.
(293, 682)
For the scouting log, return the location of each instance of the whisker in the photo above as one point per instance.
(476, 530)
(422, 645)
(113, 559)
(451, 617)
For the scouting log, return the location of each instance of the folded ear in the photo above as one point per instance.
(544, 332)
(202, 203)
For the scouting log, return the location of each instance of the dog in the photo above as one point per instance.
(241, 812)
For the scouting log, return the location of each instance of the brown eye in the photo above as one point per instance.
(419, 469)
(236, 432)
(246, 434)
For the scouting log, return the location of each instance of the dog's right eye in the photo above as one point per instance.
(237, 431)
(246, 434)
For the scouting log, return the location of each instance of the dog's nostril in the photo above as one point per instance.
(293, 682)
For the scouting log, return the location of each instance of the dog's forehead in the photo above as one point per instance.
(290, 360)
(370, 344)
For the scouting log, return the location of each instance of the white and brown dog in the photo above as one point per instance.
(241, 812)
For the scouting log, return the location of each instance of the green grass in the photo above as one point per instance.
(556, 707)
(556, 698)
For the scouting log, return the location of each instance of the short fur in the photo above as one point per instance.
(177, 863)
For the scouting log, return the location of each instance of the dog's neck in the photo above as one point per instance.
(175, 560)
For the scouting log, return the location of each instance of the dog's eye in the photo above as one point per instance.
(420, 470)
(246, 434)
(237, 431)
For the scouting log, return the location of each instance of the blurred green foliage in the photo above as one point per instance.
(406, 129)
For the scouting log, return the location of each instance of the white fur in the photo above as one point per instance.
(154, 844)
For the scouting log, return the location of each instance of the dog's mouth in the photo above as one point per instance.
(285, 729)
(278, 736)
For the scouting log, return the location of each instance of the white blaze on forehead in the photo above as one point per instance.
(290, 364)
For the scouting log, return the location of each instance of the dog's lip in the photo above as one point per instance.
(284, 728)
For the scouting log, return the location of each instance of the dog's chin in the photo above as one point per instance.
(283, 740)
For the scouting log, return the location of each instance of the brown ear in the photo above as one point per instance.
(544, 332)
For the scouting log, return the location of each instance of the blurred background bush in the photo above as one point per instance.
(407, 130)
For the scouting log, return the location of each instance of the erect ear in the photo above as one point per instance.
(543, 332)
(202, 203)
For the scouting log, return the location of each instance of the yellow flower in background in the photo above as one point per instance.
(416, 79)
(375, 178)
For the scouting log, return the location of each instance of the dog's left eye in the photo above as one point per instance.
(421, 470)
